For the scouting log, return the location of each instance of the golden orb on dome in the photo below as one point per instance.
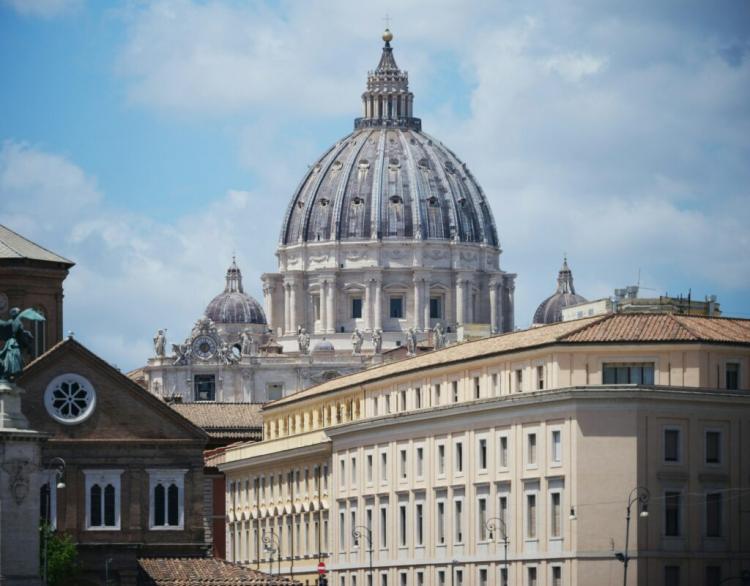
(387, 35)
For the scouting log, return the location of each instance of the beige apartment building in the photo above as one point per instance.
(511, 460)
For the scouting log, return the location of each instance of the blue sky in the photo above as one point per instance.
(147, 141)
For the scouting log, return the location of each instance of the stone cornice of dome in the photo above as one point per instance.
(402, 254)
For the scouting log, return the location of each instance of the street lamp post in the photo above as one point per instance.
(56, 465)
(640, 495)
(492, 525)
(272, 545)
(360, 532)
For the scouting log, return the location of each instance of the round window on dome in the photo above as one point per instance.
(70, 398)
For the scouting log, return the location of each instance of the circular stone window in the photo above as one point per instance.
(70, 398)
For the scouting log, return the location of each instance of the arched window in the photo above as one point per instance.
(103, 499)
(167, 495)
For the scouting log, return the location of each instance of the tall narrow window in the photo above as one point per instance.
(342, 530)
(419, 524)
(402, 464)
(103, 499)
(356, 308)
(503, 576)
(531, 449)
(458, 521)
(502, 502)
(540, 377)
(418, 398)
(384, 526)
(436, 309)
(477, 388)
(503, 452)
(555, 515)
(454, 391)
(402, 395)
(672, 513)
(205, 387)
(482, 454)
(556, 447)
(354, 471)
(441, 459)
(519, 380)
(556, 576)
(713, 447)
(482, 577)
(353, 521)
(420, 462)
(383, 466)
(495, 385)
(459, 464)
(671, 445)
(402, 525)
(441, 522)
(531, 516)
(714, 506)
(531, 577)
(482, 518)
(732, 376)
(671, 575)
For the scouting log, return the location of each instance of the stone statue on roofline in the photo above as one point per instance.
(160, 343)
(411, 342)
(357, 341)
(377, 340)
(438, 336)
(303, 340)
(13, 339)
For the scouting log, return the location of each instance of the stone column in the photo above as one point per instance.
(378, 312)
(418, 284)
(287, 309)
(331, 309)
(460, 300)
(512, 303)
(426, 305)
(367, 309)
(268, 290)
(493, 306)
(323, 307)
(500, 308)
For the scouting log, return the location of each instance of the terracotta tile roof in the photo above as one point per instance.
(622, 328)
(204, 572)
(14, 246)
(223, 420)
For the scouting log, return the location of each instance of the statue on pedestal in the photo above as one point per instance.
(303, 340)
(160, 343)
(14, 338)
(356, 341)
(377, 341)
(438, 336)
(411, 342)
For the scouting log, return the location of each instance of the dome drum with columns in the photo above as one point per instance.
(388, 230)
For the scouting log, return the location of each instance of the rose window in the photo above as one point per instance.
(69, 398)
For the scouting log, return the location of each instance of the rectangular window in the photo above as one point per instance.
(402, 525)
(420, 462)
(459, 577)
(384, 526)
(502, 502)
(531, 575)
(383, 579)
(672, 513)
(397, 307)
(369, 468)
(103, 499)
(713, 447)
(482, 577)
(713, 575)
(714, 512)
(441, 460)
(356, 308)
(274, 391)
(531, 449)
(402, 579)
(419, 524)
(354, 471)
(418, 398)
(342, 472)
(353, 521)
(342, 530)
(495, 386)
(402, 464)
(438, 393)
(167, 490)
(519, 380)
(671, 445)
(482, 449)
(459, 464)
(482, 518)
(540, 377)
(383, 466)
(441, 522)
(503, 576)
(531, 516)
(441, 578)
(671, 575)
(402, 396)
(454, 391)
(555, 515)
(639, 373)
(205, 387)
(420, 578)
(503, 452)
(556, 576)
(732, 376)
(556, 447)
(436, 308)
(477, 388)
(458, 521)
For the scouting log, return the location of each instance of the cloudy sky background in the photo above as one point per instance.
(147, 141)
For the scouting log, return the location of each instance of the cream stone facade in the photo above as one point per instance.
(548, 429)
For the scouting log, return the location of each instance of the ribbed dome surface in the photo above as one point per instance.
(550, 310)
(388, 179)
(233, 305)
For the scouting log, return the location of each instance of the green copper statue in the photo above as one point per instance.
(12, 339)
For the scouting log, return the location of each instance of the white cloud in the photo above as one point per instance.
(574, 66)
(44, 8)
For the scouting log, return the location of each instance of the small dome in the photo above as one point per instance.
(234, 306)
(550, 310)
(323, 346)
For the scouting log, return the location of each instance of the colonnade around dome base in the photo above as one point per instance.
(331, 289)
